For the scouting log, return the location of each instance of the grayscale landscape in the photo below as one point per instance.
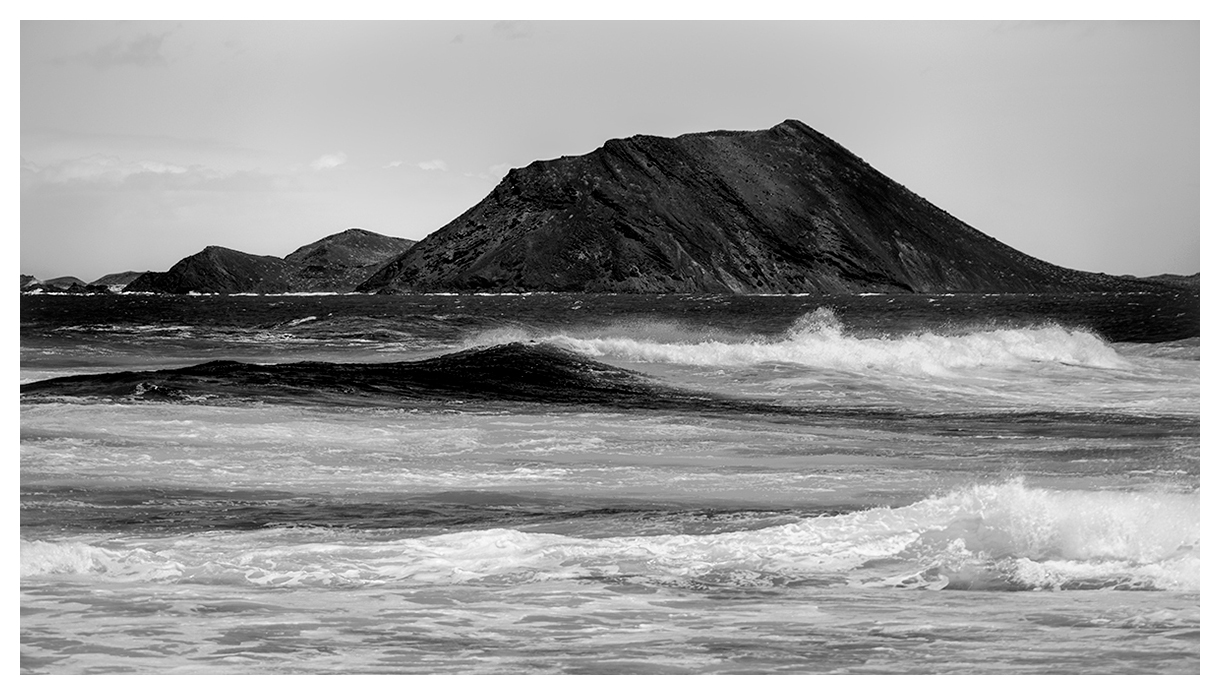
(502, 348)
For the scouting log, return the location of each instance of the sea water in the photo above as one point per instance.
(610, 484)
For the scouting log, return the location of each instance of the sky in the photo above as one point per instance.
(143, 142)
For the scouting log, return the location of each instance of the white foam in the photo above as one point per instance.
(77, 558)
(818, 340)
(982, 537)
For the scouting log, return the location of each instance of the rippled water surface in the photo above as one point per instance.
(601, 484)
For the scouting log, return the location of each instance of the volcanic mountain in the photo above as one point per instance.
(336, 263)
(782, 210)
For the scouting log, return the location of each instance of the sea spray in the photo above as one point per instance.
(1005, 536)
(818, 340)
(445, 531)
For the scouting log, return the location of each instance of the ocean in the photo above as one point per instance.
(610, 484)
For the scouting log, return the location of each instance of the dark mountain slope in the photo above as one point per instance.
(117, 281)
(336, 263)
(63, 283)
(1172, 280)
(66, 283)
(780, 210)
(342, 260)
(221, 270)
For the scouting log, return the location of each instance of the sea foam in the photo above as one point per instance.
(818, 340)
(985, 537)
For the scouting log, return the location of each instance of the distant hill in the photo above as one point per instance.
(116, 282)
(342, 260)
(71, 285)
(783, 210)
(63, 283)
(66, 283)
(336, 263)
(220, 270)
(1188, 281)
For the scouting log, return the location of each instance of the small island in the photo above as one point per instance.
(784, 210)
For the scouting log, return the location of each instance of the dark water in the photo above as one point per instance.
(610, 484)
(448, 319)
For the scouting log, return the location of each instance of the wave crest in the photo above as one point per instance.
(1012, 536)
(817, 339)
(987, 537)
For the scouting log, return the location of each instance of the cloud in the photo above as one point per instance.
(393, 165)
(512, 29)
(98, 168)
(1006, 26)
(494, 172)
(144, 51)
(233, 48)
(328, 161)
(109, 173)
(435, 164)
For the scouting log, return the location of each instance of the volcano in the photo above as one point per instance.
(782, 210)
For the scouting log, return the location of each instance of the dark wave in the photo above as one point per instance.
(185, 510)
(543, 375)
(515, 372)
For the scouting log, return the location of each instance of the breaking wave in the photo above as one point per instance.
(818, 340)
(986, 538)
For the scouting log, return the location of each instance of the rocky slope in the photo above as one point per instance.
(1172, 280)
(116, 282)
(336, 263)
(779, 210)
(342, 261)
(220, 270)
(66, 283)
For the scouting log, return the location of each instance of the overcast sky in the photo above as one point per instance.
(143, 142)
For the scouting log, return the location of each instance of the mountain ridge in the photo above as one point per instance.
(116, 282)
(335, 263)
(781, 210)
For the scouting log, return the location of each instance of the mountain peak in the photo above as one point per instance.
(343, 259)
(784, 209)
(335, 263)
